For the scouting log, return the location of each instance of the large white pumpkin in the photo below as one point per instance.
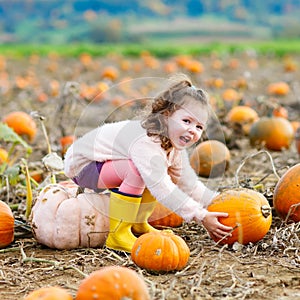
(61, 219)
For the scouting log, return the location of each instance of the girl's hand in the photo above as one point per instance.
(213, 226)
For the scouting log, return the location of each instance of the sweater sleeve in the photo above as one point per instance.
(152, 163)
(191, 184)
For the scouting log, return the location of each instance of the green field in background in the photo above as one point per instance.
(278, 48)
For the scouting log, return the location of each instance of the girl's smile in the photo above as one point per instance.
(185, 125)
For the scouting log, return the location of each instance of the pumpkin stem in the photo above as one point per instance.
(80, 190)
(266, 211)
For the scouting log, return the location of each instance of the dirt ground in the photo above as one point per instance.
(269, 269)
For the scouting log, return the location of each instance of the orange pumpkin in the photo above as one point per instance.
(6, 225)
(280, 111)
(231, 95)
(86, 59)
(22, 123)
(182, 60)
(234, 63)
(289, 64)
(249, 213)
(243, 115)
(37, 175)
(110, 72)
(113, 282)
(160, 251)
(210, 158)
(218, 82)
(150, 61)
(274, 133)
(164, 217)
(195, 66)
(286, 198)
(49, 293)
(253, 63)
(61, 219)
(278, 88)
(240, 83)
(65, 142)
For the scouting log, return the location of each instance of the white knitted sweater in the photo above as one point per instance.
(169, 177)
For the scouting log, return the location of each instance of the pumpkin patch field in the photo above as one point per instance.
(251, 156)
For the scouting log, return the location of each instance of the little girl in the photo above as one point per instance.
(146, 160)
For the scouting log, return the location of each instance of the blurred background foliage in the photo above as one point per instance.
(147, 21)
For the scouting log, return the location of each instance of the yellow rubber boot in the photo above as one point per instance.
(147, 206)
(123, 210)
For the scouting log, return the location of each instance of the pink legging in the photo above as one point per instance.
(122, 174)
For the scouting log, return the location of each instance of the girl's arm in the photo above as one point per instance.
(189, 182)
(154, 171)
(152, 163)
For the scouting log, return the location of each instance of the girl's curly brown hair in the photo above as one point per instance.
(166, 103)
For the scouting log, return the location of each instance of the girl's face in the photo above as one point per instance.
(185, 125)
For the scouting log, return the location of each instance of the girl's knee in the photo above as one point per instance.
(133, 179)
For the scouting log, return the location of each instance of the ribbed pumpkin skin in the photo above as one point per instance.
(164, 217)
(244, 208)
(160, 251)
(6, 225)
(287, 193)
(49, 293)
(275, 133)
(62, 220)
(114, 283)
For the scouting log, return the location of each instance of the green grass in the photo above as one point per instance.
(159, 49)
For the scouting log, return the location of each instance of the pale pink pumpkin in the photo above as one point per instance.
(63, 220)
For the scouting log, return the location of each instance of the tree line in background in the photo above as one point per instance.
(56, 21)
